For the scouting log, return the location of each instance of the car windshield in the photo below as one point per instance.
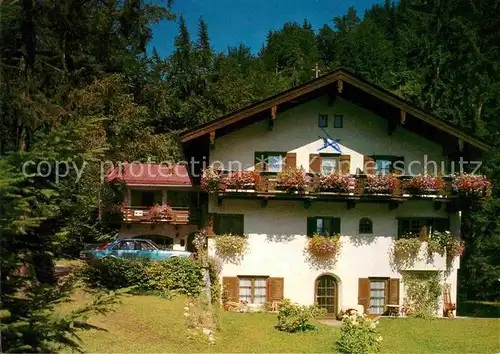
(149, 245)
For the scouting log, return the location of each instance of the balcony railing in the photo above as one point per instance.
(176, 216)
(266, 184)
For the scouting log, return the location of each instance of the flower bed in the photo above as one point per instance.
(241, 180)
(383, 184)
(426, 184)
(337, 182)
(474, 185)
(293, 180)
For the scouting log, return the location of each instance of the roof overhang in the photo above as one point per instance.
(339, 76)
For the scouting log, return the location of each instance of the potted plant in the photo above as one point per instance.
(292, 180)
(337, 182)
(425, 184)
(211, 179)
(471, 185)
(380, 184)
(241, 180)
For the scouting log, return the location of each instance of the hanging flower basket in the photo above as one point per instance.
(231, 248)
(241, 180)
(471, 185)
(323, 248)
(337, 182)
(211, 180)
(380, 184)
(425, 184)
(292, 180)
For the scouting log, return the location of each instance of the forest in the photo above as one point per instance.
(77, 85)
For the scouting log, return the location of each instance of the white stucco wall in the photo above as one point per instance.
(277, 233)
(296, 130)
(277, 236)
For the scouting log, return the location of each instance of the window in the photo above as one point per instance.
(412, 226)
(270, 161)
(182, 199)
(323, 120)
(327, 226)
(145, 198)
(388, 164)
(329, 164)
(365, 226)
(229, 224)
(126, 246)
(378, 288)
(253, 290)
(338, 121)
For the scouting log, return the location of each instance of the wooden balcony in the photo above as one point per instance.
(268, 187)
(177, 216)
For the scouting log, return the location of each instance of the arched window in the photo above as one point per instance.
(365, 226)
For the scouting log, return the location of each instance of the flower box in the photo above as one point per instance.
(380, 184)
(471, 185)
(241, 180)
(159, 212)
(292, 180)
(338, 183)
(425, 185)
(211, 179)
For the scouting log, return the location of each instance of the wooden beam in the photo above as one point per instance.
(340, 86)
(212, 139)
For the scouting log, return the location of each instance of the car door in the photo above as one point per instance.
(124, 249)
(148, 250)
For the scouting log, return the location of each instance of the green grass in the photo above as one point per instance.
(152, 324)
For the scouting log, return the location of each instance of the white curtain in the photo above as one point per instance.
(377, 297)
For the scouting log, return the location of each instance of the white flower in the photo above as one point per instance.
(379, 339)
(186, 308)
(186, 314)
(373, 325)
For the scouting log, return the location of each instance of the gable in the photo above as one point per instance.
(341, 83)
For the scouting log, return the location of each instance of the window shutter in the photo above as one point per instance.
(364, 294)
(216, 224)
(368, 165)
(314, 163)
(231, 287)
(345, 164)
(291, 161)
(275, 289)
(336, 225)
(399, 165)
(311, 226)
(259, 161)
(393, 291)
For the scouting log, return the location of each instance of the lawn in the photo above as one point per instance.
(153, 324)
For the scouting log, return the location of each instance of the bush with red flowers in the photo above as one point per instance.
(380, 184)
(294, 180)
(470, 184)
(241, 180)
(337, 182)
(426, 184)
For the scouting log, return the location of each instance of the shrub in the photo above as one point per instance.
(211, 179)
(230, 248)
(380, 183)
(294, 179)
(426, 184)
(337, 181)
(241, 180)
(405, 251)
(422, 293)
(358, 334)
(172, 275)
(473, 185)
(293, 317)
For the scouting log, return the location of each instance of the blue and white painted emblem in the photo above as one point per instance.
(329, 142)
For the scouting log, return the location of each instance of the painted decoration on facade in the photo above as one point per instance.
(329, 142)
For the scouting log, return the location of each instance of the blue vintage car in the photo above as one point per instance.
(131, 248)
